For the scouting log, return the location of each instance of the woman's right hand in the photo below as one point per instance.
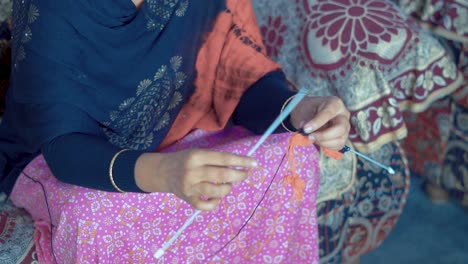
(199, 177)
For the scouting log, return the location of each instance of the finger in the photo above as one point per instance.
(338, 128)
(204, 205)
(333, 106)
(224, 159)
(319, 120)
(221, 174)
(212, 190)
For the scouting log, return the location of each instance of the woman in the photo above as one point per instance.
(119, 96)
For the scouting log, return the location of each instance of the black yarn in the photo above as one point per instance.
(253, 212)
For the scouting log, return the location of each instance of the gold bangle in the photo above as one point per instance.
(282, 109)
(111, 167)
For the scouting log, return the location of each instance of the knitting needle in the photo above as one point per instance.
(285, 113)
(160, 252)
(387, 168)
(347, 148)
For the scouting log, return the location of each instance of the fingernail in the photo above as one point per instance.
(254, 164)
(308, 129)
(311, 137)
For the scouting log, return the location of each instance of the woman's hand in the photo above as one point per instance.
(199, 177)
(324, 119)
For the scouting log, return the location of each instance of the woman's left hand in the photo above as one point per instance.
(324, 119)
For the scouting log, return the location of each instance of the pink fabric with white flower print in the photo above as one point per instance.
(93, 226)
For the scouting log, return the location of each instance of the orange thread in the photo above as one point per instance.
(334, 154)
(292, 177)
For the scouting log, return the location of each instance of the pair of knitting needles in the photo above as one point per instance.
(284, 114)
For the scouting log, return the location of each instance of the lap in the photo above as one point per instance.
(143, 222)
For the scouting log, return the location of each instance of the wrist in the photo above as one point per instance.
(146, 173)
(294, 119)
(121, 169)
(288, 123)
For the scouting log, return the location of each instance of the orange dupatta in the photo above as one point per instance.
(231, 59)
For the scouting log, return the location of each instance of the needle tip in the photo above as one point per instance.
(159, 253)
(390, 170)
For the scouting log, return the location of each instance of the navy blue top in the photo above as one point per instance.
(83, 159)
(81, 89)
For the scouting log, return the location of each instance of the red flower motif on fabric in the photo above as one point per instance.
(351, 24)
(355, 28)
(273, 35)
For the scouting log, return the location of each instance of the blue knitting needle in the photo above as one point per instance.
(283, 115)
(348, 149)
(387, 168)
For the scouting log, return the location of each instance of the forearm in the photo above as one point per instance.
(261, 104)
(84, 160)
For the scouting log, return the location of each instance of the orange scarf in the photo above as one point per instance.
(231, 60)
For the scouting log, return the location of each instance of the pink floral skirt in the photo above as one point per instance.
(268, 223)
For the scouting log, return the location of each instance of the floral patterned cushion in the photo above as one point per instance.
(441, 132)
(449, 21)
(448, 18)
(382, 64)
(369, 53)
(16, 234)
